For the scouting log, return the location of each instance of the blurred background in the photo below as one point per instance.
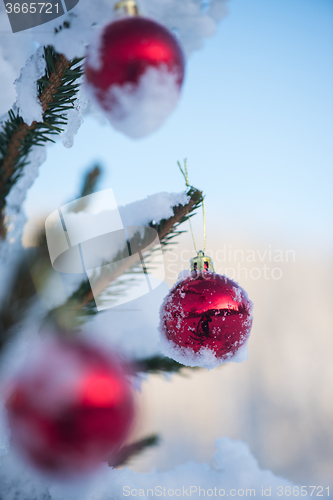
(255, 122)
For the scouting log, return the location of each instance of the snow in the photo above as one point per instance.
(75, 117)
(15, 50)
(157, 205)
(11, 247)
(94, 48)
(132, 326)
(26, 88)
(7, 94)
(205, 357)
(89, 224)
(234, 471)
(137, 110)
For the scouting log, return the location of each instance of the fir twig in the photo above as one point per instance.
(167, 228)
(90, 181)
(129, 451)
(89, 185)
(157, 364)
(57, 91)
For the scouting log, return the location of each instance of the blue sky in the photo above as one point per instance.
(255, 121)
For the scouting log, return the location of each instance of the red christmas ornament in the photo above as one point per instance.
(206, 318)
(70, 409)
(135, 70)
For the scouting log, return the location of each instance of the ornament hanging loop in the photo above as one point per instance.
(201, 263)
(129, 7)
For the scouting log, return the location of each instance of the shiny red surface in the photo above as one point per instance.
(67, 425)
(130, 46)
(207, 310)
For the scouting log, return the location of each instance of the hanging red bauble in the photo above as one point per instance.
(135, 69)
(70, 409)
(206, 318)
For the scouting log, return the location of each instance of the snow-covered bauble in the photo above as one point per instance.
(70, 408)
(134, 70)
(206, 318)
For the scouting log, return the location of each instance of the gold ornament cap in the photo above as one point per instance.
(129, 7)
(202, 263)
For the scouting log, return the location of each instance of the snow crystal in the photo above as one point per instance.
(30, 107)
(139, 109)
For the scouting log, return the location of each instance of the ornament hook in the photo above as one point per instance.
(202, 263)
(129, 6)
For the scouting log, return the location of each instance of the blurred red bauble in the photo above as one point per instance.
(127, 48)
(135, 69)
(70, 409)
(205, 319)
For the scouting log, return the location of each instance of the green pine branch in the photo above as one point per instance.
(89, 186)
(129, 451)
(57, 91)
(159, 364)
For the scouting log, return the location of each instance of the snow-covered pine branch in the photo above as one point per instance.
(57, 90)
